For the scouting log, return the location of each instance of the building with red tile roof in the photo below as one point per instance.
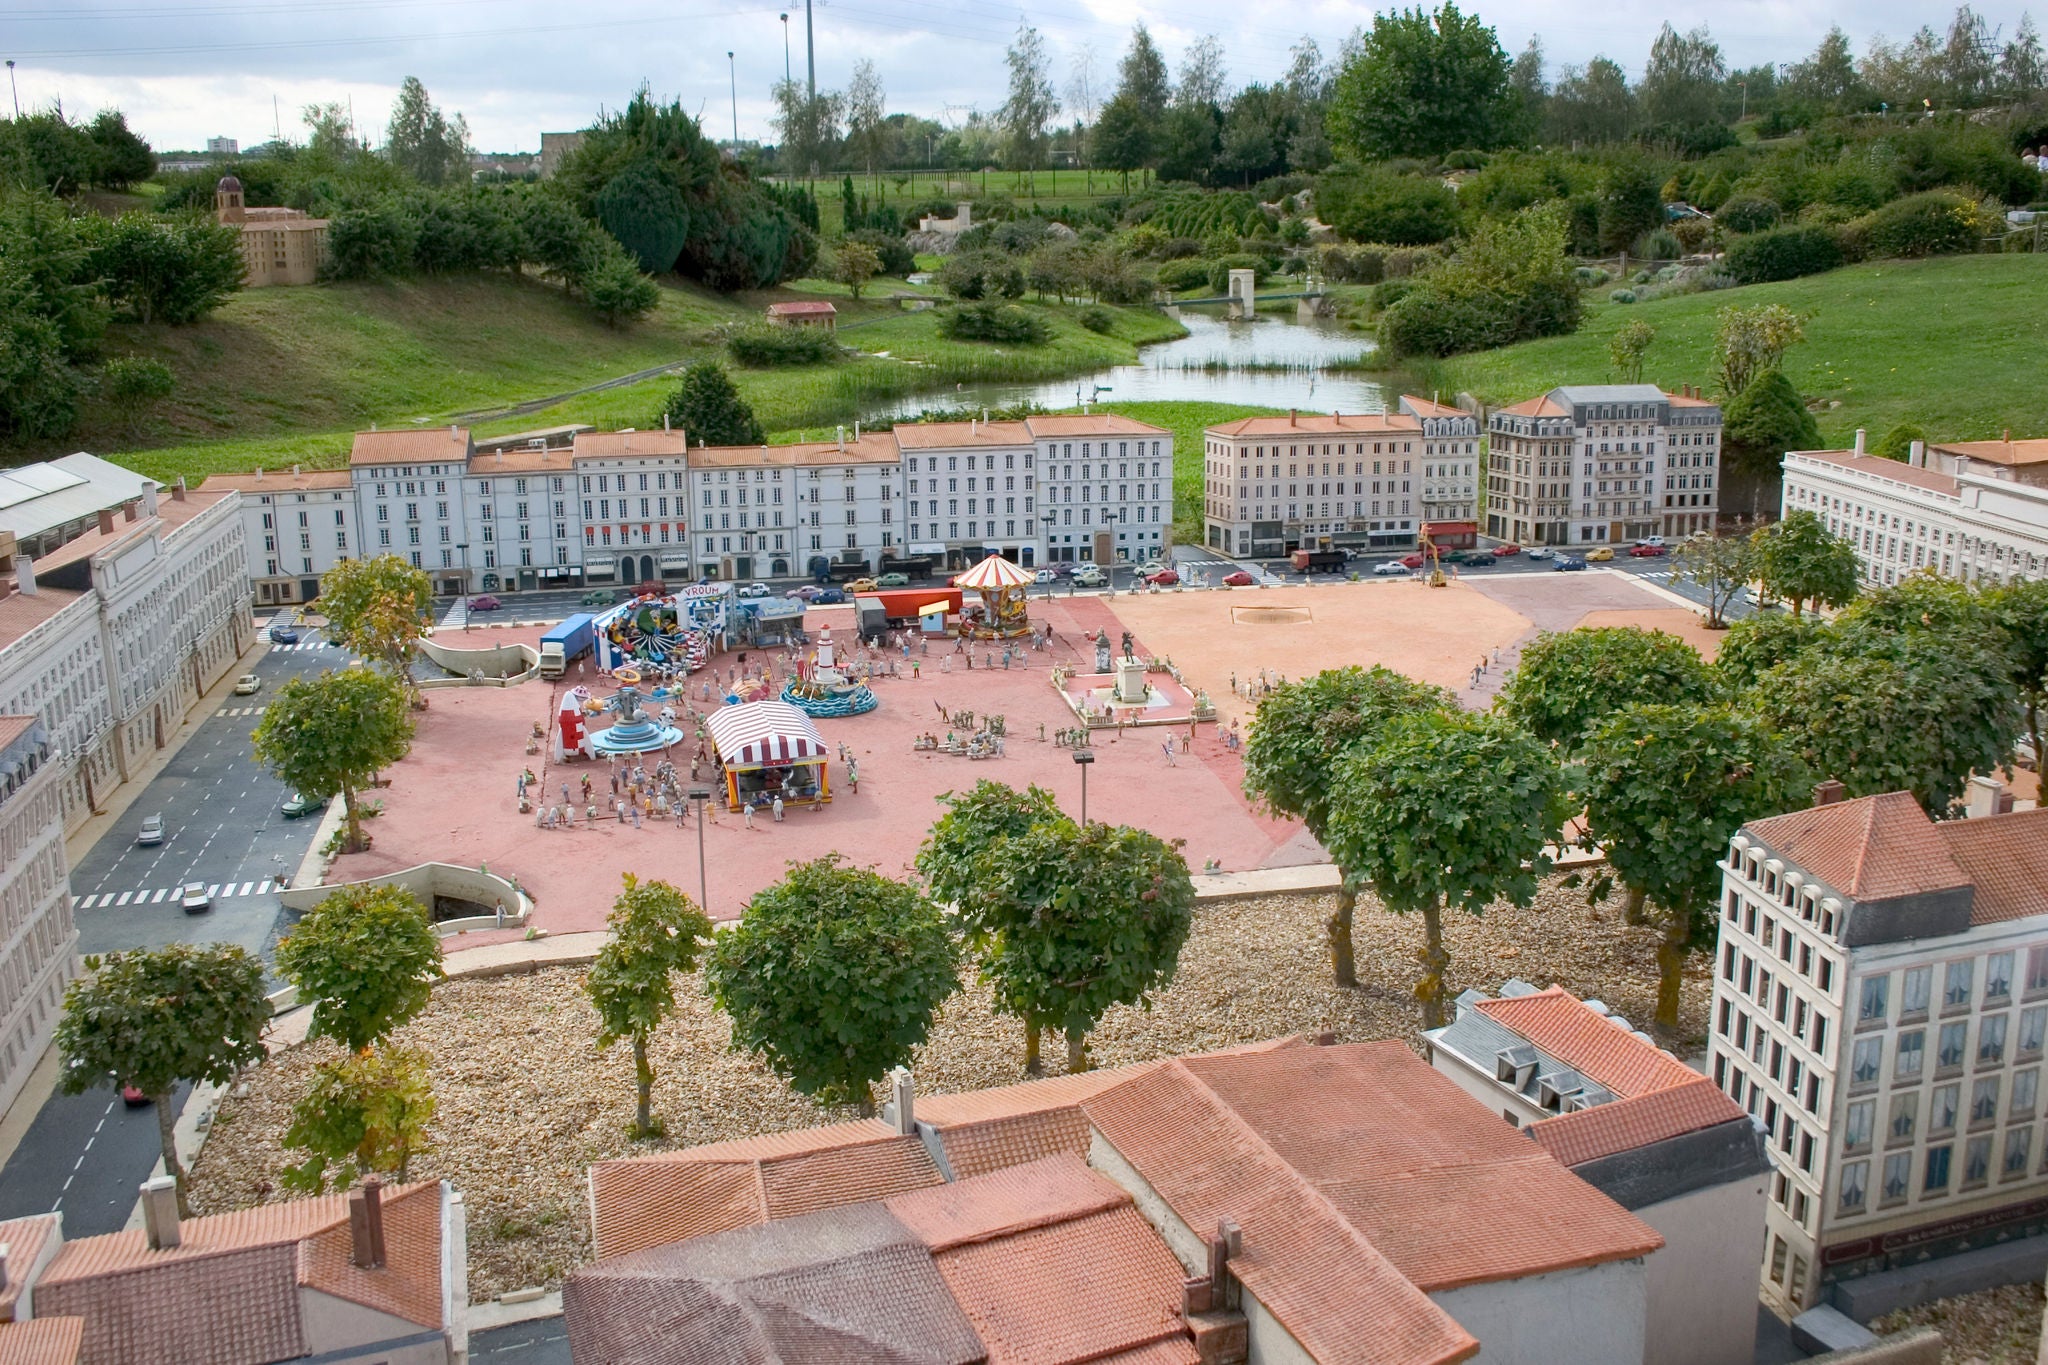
(804, 313)
(45, 1341)
(372, 1275)
(1640, 1126)
(1881, 1010)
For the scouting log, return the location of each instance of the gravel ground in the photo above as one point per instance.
(1995, 1327)
(527, 1102)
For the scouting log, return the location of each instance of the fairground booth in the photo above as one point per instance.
(769, 749)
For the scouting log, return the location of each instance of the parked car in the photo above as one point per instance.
(1238, 579)
(246, 685)
(1414, 561)
(1150, 567)
(1088, 576)
(283, 635)
(829, 597)
(1566, 564)
(893, 580)
(296, 805)
(1391, 568)
(753, 590)
(863, 585)
(1600, 555)
(1164, 578)
(1540, 552)
(1045, 576)
(1064, 570)
(152, 831)
(194, 899)
(132, 1096)
(807, 593)
(1472, 559)
(600, 597)
(1503, 551)
(1646, 551)
(484, 603)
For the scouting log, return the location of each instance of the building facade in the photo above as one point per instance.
(1108, 489)
(1597, 464)
(295, 527)
(38, 944)
(1977, 510)
(1880, 1006)
(279, 245)
(1364, 481)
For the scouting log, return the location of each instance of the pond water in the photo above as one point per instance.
(1209, 364)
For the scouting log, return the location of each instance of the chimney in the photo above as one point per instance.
(160, 1212)
(3, 1267)
(664, 421)
(1829, 792)
(149, 491)
(856, 433)
(366, 1224)
(259, 473)
(295, 471)
(178, 489)
(25, 575)
(453, 430)
(1294, 417)
(129, 508)
(1916, 455)
(2008, 435)
(106, 521)
(900, 1112)
(1858, 447)
(842, 439)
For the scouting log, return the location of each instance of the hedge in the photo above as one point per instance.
(1783, 253)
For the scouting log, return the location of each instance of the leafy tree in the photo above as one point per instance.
(1681, 85)
(1665, 787)
(806, 125)
(1751, 342)
(1131, 119)
(1897, 444)
(1300, 731)
(1590, 104)
(2020, 609)
(330, 130)
(374, 240)
(866, 105)
(1627, 349)
(379, 608)
(658, 934)
(1422, 84)
(365, 1112)
(1203, 80)
(1757, 644)
(1828, 80)
(1032, 104)
(707, 407)
(333, 734)
(1373, 205)
(153, 1018)
(1766, 420)
(1569, 682)
(1511, 280)
(131, 385)
(1720, 565)
(1123, 139)
(833, 975)
(643, 209)
(1141, 74)
(854, 264)
(1530, 90)
(1077, 919)
(1446, 811)
(38, 388)
(47, 151)
(366, 958)
(124, 158)
(616, 290)
(1630, 203)
(163, 269)
(422, 141)
(41, 243)
(1802, 561)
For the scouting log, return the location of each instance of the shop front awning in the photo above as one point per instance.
(932, 609)
(765, 734)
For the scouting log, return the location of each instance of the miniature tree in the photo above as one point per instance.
(1720, 566)
(1665, 788)
(658, 933)
(709, 410)
(151, 1018)
(366, 958)
(1289, 760)
(1568, 682)
(1758, 643)
(379, 608)
(1446, 810)
(1080, 918)
(367, 1111)
(833, 975)
(333, 734)
(1802, 561)
(2021, 610)
(854, 264)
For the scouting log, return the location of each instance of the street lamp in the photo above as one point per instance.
(701, 796)
(785, 48)
(1084, 757)
(12, 91)
(732, 72)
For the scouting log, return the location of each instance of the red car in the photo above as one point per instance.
(1239, 579)
(1413, 561)
(484, 603)
(1503, 551)
(1646, 551)
(1165, 578)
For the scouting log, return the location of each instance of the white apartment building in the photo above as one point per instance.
(633, 487)
(1975, 510)
(1595, 464)
(38, 945)
(769, 511)
(1364, 480)
(408, 489)
(1881, 1007)
(1108, 489)
(951, 491)
(295, 527)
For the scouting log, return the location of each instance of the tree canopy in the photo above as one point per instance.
(1800, 560)
(1567, 682)
(333, 733)
(709, 410)
(366, 958)
(657, 934)
(1422, 84)
(380, 608)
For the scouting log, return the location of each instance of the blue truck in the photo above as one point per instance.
(565, 642)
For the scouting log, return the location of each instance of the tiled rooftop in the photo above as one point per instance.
(24, 1238)
(592, 445)
(1873, 848)
(1556, 1021)
(21, 613)
(45, 1341)
(2023, 452)
(276, 481)
(1623, 1125)
(422, 445)
(1321, 424)
(2006, 858)
(944, 435)
(1091, 424)
(1931, 479)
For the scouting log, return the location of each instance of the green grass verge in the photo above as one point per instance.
(1953, 345)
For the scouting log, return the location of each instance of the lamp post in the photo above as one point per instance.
(462, 548)
(1084, 757)
(701, 796)
(785, 47)
(11, 89)
(732, 73)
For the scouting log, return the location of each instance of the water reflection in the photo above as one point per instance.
(1200, 367)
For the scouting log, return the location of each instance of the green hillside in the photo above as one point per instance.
(1955, 345)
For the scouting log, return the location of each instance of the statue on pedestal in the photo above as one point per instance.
(1129, 646)
(1102, 651)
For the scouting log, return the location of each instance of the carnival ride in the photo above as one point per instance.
(674, 631)
(822, 688)
(636, 731)
(1001, 586)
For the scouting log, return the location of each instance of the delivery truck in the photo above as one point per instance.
(565, 643)
(1312, 561)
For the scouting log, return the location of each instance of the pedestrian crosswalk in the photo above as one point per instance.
(158, 895)
(303, 644)
(241, 711)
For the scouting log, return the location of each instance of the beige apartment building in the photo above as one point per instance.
(1599, 464)
(1363, 481)
(279, 245)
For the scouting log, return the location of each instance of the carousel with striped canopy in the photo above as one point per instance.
(1001, 586)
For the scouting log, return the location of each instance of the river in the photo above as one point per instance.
(1207, 365)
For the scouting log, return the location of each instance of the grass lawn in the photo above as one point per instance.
(1045, 187)
(1954, 345)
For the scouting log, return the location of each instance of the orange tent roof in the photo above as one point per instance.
(993, 572)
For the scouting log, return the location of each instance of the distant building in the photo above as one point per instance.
(222, 146)
(1881, 1008)
(804, 313)
(279, 246)
(1602, 464)
(555, 146)
(1973, 510)
(39, 950)
(295, 527)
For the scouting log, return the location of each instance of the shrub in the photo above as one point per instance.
(1932, 224)
(1695, 235)
(1898, 442)
(1783, 253)
(1219, 270)
(1098, 319)
(1622, 296)
(133, 384)
(762, 346)
(1659, 245)
(1183, 274)
(982, 274)
(1352, 264)
(1404, 261)
(896, 256)
(995, 322)
(1749, 213)
(1375, 205)
(1387, 293)
(1465, 159)
(1591, 275)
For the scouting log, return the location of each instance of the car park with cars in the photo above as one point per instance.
(283, 635)
(1164, 578)
(1566, 564)
(864, 585)
(1503, 551)
(753, 590)
(1045, 576)
(1645, 551)
(829, 597)
(1088, 576)
(1238, 579)
(1540, 552)
(486, 602)
(893, 580)
(599, 597)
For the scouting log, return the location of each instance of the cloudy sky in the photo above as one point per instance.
(184, 70)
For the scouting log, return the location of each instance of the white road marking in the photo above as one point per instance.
(159, 896)
(125, 897)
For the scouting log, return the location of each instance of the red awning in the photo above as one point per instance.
(765, 734)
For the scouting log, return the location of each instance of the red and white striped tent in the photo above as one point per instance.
(992, 573)
(766, 746)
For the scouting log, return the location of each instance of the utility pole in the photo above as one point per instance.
(810, 53)
(11, 89)
(785, 47)
(732, 72)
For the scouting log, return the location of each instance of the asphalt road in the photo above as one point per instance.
(84, 1155)
(544, 1341)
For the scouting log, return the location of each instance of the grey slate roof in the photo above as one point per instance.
(1479, 1039)
(1608, 393)
(39, 497)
